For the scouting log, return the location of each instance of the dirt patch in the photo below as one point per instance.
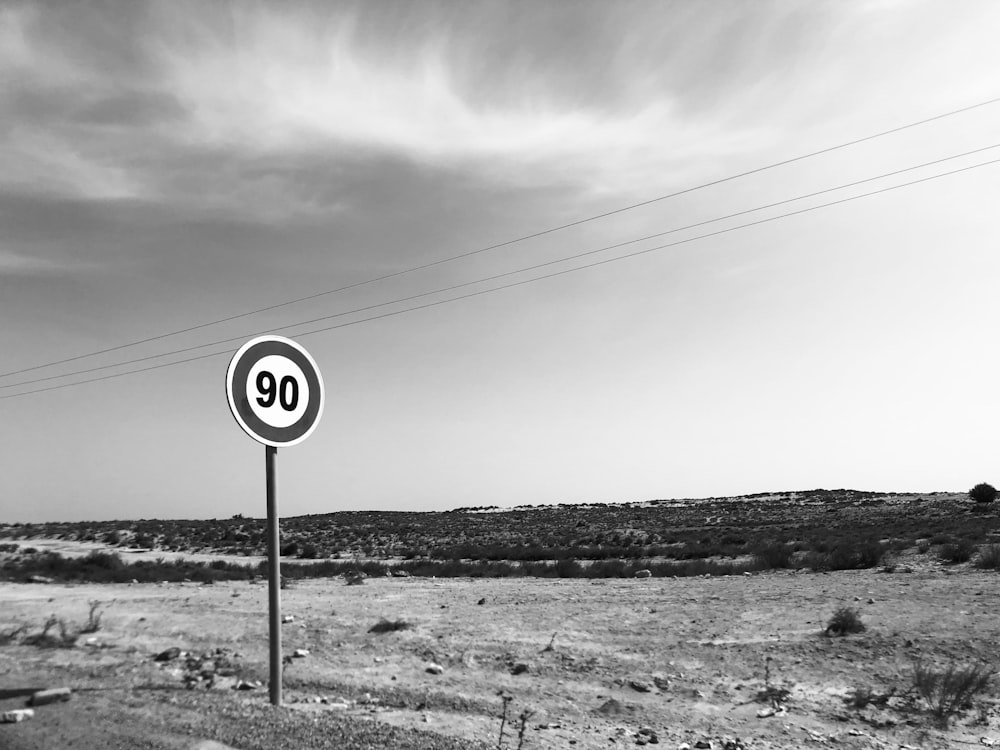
(687, 659)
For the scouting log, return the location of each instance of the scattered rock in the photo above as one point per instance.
(612, 707)
(169, 655)
(661, 682)
(644, 573)
(287, 619)
(481, 601)
(53, 695)
(301, 653)
(704, 745)
(640, 686)
(19, 714)
(38, 579)
(433, 668)
(646, 735)
(520, 668)
(244, 685)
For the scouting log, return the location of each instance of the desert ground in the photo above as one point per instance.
(734, 661)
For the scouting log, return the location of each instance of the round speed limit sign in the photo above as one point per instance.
(275, 391)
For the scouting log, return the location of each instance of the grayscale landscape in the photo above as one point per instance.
(499, 374)
(790, 620)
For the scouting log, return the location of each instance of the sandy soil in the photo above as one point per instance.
(685, 658)
(73, 548)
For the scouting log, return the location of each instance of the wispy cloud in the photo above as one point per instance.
(112, 101)
(16, 265)
(258, 80)
(284, 81)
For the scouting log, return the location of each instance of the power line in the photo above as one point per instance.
(523, 238)
(527, 281)
(501, 275)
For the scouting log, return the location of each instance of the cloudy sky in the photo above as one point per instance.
(166, 165)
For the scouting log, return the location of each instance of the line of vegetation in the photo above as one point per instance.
(109, 567)
(794, 524)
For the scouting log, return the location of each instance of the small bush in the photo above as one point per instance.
(773, 555)
(956, 552)
(845, 620)
(949, 691)
(103, 560)
(389, 626)
(983, 493)
(568, 569)
(851, 555)
(989, 557)
(860, 697)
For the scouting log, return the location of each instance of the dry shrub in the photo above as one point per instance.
(850, 554)
(989, 557)
(773, 555)
(946, 692)
(10, 636)
(845, 620)
(93, 619)
(860, 696)
(66, 638)
(956, 552)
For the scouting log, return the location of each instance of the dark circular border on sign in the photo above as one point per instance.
(276, 434)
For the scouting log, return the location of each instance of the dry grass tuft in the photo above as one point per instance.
(949, 691)
(94, 618)
(10, 636)
(66, 638)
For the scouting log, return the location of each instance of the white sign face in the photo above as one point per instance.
(278, 390)
(275, 391)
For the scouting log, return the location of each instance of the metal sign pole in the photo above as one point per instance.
(275, 392)
(273, 573)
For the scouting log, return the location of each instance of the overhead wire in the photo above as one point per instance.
(505, 274)
(522, 282)
(523, 238)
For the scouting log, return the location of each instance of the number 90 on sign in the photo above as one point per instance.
(275, 390)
